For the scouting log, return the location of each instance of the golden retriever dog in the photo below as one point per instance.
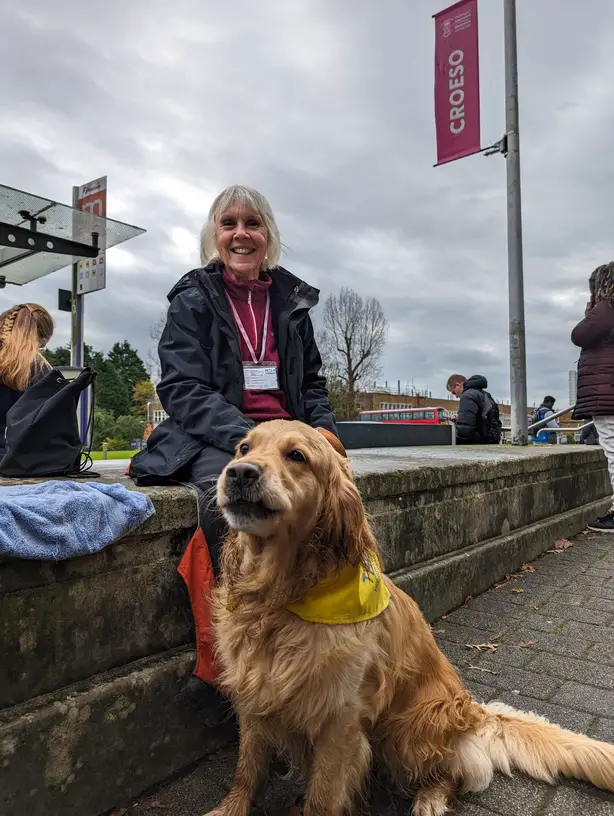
(335, 697)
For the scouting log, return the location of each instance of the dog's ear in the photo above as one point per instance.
(333, 440)
(344, 529)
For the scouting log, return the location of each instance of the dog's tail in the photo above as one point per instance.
(511, 740)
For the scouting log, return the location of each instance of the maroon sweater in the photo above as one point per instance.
(249, 300)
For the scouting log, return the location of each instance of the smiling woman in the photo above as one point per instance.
(238, 349)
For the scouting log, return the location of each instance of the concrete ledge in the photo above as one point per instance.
(62, 623)
(94, 650)
(82, 751)
(91, 614)
(444, 583)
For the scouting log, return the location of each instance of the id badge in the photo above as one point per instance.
(261, 377)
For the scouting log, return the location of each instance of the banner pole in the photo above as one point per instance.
(76, 336)
(518, 361)
(77, 341)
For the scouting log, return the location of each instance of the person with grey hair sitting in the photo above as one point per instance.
(238, 349)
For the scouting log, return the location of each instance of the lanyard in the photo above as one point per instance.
(241, 328)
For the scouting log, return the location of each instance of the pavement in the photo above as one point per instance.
(547, 645)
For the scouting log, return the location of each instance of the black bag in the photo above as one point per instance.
(42, 431)
(491, 424)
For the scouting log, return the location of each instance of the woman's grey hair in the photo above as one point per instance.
(241, 196)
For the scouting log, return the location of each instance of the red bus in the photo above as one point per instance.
(408, 416)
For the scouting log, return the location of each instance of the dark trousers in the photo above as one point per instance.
(202, 473)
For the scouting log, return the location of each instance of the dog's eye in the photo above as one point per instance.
(296, 456)
(243, 449)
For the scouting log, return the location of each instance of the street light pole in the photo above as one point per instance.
(518, 360)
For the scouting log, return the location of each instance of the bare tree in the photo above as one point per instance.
(351, 343)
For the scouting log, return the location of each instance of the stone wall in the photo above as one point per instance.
(95, 649)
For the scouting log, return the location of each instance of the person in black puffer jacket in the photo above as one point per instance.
(478, 420)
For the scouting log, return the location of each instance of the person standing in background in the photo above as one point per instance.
(545, 410)
(595, 399)
(478, 421)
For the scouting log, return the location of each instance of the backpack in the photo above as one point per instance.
(536, 416)
(42, 433)
(490, 422)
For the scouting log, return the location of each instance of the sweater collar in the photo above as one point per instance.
(239, 290)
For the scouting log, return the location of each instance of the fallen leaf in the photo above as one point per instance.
(483, 647)
(527, 568)
(482, 669)
(438, 631)
(556, 552)
(522, 645)
(468, 602)
(517, 591)
(562, 544)
(445, 617)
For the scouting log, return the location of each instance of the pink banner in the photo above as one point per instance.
(457, 81)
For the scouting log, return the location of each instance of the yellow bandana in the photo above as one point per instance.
(355, 594)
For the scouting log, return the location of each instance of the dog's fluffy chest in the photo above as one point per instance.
(280, 665)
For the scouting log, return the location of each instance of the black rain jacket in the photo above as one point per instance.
(202, 372)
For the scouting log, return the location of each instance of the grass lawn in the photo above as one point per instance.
(113, 454)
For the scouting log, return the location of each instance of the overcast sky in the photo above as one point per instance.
(327, 108)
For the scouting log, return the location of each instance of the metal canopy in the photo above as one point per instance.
(39, 236)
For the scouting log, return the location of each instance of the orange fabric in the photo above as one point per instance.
(197, 571)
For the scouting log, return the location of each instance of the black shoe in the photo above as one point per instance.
(205, 702)
(605, 524)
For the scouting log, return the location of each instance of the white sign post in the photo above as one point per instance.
(87, 276)
(92, 197)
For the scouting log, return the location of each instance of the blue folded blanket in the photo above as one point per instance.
(57, 520)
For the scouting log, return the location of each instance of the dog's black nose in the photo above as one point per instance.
(243, 474)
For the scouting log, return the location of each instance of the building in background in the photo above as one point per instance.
(381, 399)
(155, 415)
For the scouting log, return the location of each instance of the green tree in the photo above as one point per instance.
(58, 357)
(114, 444)
(112, 391)
(104, 427)
(128, 428)
(127, 363)
(142, 393)
(90, 356)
